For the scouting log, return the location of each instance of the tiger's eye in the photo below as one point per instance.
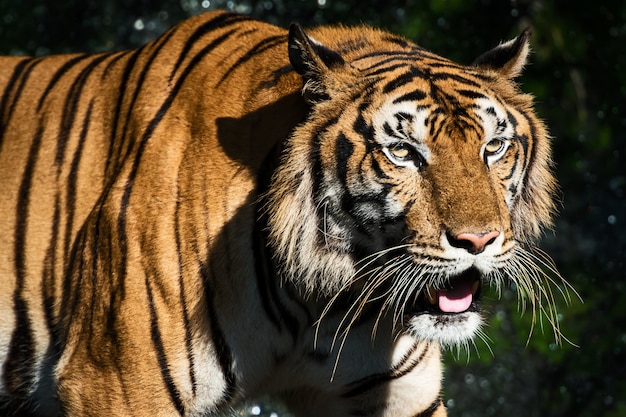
(494, 146)
(400, 151)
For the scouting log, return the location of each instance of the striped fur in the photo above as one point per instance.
(233, 210)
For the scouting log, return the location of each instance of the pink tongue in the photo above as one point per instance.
(457, 299)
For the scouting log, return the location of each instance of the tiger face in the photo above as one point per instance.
(428, 177)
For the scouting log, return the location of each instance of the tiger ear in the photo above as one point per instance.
(314, 62)
(508, 58)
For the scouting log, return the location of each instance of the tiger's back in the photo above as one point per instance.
(188, 224)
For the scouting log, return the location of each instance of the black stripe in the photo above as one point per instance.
(365, 100)
(513, 169)
(416, 56)
(524, 140)
(389, 131)
(351, 45)
(115, 58)
(400, 81)
(268, 287)
(405, 366)
(343, 150)
(451, 100)
(490, 111)
(102, 247)
(218, 22)
(21, 73)
(430, 411)
(448, 65)
(137, 86)
(380, 173)
(75, 247)
(416, 95)
(63, 69)
(257, 49)
(48, 286)
(70, 295)
(263, 265)
(19, 368)
(72, 180)
(119, 106)
(224, 355)
(501, 126)
(471, 94)
(23, 80)
(436, 126)
(444, 76)
(157, 341)
(529, 157)
(183, 300)
(264, 272)
(6, 94)
(315, 157)
(409, 56)
(379, 67)
(17, 72)
(72, 100)
(276, 76)
(398, 41)
(530, 153)
(363, 128)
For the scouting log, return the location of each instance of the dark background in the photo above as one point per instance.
(578, 74)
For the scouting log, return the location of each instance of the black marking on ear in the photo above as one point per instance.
(509, 57)
(307, 55)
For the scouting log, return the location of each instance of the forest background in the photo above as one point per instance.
(578, 75)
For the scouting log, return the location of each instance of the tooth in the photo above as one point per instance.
(475, 287)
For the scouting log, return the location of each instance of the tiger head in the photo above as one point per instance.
(413, 181)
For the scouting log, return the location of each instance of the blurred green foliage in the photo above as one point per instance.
(578, 74)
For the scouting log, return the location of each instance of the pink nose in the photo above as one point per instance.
(474, 243)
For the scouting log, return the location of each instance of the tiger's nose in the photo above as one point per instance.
(474, 243)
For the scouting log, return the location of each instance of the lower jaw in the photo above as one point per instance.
(445, 329)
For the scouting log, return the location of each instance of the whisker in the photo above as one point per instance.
(413, 283)
(535, 284)
(544, 259)
(324, 206)
(485, 339)
(389, 269)
(387, 282)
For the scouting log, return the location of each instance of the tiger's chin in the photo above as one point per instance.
(449, 315)
(449, 330)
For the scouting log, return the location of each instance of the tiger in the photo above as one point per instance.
(237, 210)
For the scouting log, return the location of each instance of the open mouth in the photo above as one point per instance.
(460, 294)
